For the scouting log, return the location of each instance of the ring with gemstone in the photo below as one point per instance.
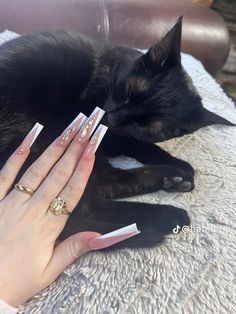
(58, 206)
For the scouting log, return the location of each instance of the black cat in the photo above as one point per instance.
(50, 77)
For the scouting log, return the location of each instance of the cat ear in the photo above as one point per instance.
(205, 118)
(167, 51)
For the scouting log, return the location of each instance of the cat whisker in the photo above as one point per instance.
(106, 88)
(116, 61)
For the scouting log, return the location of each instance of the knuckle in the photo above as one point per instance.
(75, 249)
(50, 229)
(50, 154)
(11, 163)
(3, 179)
(33, 174)
(72, 195)
(60, 173)
(73, 190)
(80, 190)
(74, 152)
(82, 170)
(29, 216)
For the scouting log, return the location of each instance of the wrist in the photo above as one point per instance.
(13, 293)
(6, 308)
(9, 298)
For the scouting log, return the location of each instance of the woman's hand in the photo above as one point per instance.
(29, 260)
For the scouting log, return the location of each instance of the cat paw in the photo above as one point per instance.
(179, 181)
(183, 165)
(171, 219)
(177, 184)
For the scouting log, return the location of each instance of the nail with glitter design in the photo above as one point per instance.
(71, 130)
(114, 237)
(95, 141)
(90, 124)
(30, 138)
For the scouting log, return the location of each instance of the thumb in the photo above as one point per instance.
(67, 252)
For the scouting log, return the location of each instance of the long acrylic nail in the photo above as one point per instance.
(90, 124)
(30, 138)
(114, 237)
(71, 130)
(95, 141)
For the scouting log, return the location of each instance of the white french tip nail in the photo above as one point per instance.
(90, 124)
(37, 128)
(122, 231)
(81, 117)
(95, 141)
(114, 237)
(100, 113)
(100, 132)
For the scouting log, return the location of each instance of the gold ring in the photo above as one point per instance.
(24, 189)
(58, 206)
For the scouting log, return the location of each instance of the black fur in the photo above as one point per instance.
(50, 77)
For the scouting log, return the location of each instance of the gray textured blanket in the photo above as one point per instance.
(192, 272)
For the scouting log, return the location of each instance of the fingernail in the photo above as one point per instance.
(114, 237)
(71, 130)
(95, 141)
(90, 124)
(30, 138)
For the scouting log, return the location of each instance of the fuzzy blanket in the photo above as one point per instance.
(192, 272)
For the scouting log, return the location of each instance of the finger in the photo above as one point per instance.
(36, 173)
(75, 187)
(64, 168)
(13, 165)
(67, 252)
(73, 191)
(75, 246)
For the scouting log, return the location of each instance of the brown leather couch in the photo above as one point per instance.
(134, 23)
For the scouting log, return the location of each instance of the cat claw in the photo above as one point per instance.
(178, 179)
(168, 182)
(186, 186)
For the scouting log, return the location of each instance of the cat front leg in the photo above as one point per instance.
(146, 153)
(119, 183)
(155, 221)
(148, 237)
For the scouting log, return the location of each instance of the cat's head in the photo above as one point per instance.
(153, 99)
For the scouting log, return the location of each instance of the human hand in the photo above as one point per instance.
(29, 260)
